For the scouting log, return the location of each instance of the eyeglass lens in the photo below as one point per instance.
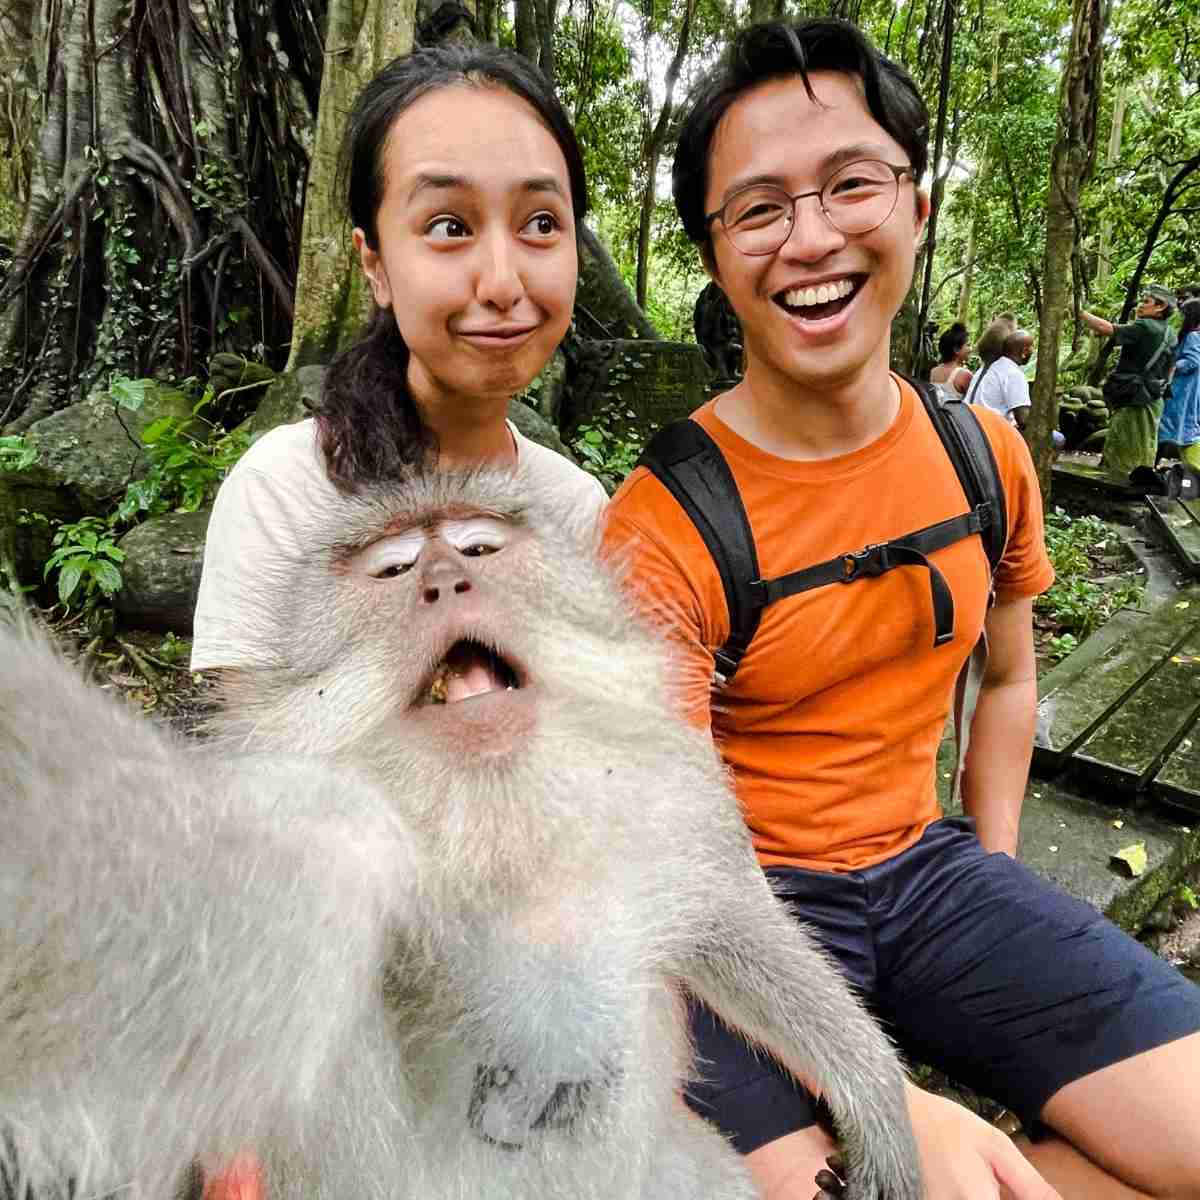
(859, 197)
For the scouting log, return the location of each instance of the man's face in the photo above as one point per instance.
(1026, 351)
(776, 134)
(1148, 306)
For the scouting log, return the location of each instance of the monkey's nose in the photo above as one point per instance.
(432, 592)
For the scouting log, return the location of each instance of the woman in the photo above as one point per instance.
(464, 184)
(1181, 415)
(951, 376)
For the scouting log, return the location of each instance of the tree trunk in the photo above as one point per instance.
(164, 202)
(1103, 267)
(526, 30)
(1180, 182)
(654, 145)
(332, 297)
(939, 182)
(1070, 166)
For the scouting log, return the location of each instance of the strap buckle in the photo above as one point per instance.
(866, 563)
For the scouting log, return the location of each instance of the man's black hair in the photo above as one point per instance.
(776, 50)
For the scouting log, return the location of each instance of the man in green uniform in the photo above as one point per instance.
(1135, 388)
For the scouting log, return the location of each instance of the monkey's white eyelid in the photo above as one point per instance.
(489, 533)
(392, 555)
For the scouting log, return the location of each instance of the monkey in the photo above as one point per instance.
(417, 917)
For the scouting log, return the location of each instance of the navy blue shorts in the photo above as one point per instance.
(975, 966)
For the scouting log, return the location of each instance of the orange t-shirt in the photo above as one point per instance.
(832, 723)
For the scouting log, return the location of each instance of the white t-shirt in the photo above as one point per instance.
(254, 534)
(1003, 388)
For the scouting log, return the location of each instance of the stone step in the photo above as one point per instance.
(1179, 523)
(1130, 745)
(1091, 684)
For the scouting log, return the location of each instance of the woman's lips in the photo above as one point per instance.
(498, 338)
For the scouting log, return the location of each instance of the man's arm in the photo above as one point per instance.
(1097, 324)
(1001, 743)
(1020, 415)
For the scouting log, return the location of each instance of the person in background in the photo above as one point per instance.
(1180, 422)
(951, 376)
(1135, 386)
(1002, 386)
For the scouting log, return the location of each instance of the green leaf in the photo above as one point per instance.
(107, 577)
(68, 578)
(129, 393)
(594, 437)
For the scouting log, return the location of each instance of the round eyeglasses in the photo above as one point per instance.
(856, 199)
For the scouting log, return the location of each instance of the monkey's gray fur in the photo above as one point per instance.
(394, 949)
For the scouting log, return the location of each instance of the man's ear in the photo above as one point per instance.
(373, 269)
(921, 206)
(709, 262)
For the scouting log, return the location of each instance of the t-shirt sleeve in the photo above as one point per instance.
(1122, 335)
(1025, 568)
(1016, 391)
(250, 537)
(653, 551)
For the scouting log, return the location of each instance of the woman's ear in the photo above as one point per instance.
(373, 269)
(921, 206)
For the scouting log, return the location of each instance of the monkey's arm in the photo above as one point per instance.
(187, 943)
(765, 977)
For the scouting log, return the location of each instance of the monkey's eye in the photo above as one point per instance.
(477, 536)
(392, 556)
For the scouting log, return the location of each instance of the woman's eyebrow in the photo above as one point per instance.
(437, 181)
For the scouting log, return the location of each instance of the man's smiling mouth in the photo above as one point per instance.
(817, 302)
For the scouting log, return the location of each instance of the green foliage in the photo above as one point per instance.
(16, 454)
(86, 561)
(173, 650)
(1062, 645)
(1077, 603)
(188, 458)
(1186, 895)
(607, 452)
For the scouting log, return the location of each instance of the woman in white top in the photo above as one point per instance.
(950, 375)
(464, 185)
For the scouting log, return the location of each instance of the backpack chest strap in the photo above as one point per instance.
(912, 550)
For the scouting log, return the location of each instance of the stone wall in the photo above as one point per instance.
(641, 384)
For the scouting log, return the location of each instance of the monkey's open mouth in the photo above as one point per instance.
(469, 669)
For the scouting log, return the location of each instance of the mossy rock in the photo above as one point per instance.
(1094, 440)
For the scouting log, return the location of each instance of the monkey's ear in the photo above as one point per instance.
(373, 269)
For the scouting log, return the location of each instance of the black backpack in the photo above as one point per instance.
(691, 467)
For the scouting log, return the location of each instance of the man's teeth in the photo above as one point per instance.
(822, 294)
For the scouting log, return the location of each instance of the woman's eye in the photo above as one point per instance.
(542, 224)
(446, 229)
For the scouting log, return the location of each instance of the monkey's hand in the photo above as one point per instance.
(507, 1106)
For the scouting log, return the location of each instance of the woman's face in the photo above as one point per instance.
(476, 255)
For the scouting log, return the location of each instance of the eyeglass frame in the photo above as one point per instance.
(719, 213)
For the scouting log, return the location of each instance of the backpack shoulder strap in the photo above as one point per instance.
(967, 446)
(689, 465)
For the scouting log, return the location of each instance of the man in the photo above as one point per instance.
(1001, 385)
(1135, 387)
(797, 175)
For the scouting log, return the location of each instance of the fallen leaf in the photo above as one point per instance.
(1133, 858)
(1118, 824)
(1183, 604)
(1053, 849)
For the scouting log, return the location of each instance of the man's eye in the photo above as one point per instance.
(446, 229)
(542, 224)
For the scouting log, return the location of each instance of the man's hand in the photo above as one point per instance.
(965, 1158)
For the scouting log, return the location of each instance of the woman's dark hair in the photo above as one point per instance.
(1190, 311)
(952, 341)
(368, 424)
(780, 49)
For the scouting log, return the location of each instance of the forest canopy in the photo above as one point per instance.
(156, 161)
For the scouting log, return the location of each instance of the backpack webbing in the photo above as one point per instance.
(691, 467)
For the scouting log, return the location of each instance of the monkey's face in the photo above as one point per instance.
(441, 586)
